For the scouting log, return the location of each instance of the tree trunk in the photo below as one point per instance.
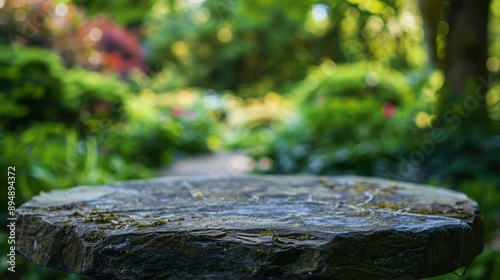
(462, 111)
(466, 76)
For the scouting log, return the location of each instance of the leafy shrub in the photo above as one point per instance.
(181, 126)
(354, 115)
(35, 88)
(65, 127)
(250, 123)
(52, 155)
(32, 88)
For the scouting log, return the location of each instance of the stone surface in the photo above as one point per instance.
(252, 227)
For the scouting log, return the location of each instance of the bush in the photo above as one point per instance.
(64, 127)
(357, 114)
(32, 88)
(36, 88)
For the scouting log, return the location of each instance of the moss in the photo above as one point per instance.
(66, 206)
(423, 211)
(95, 236)
(267, 233)
(277, 238)
(252, 270)
(322, 181)
(102, 218)
(462, 211)
(306, 237)
(142, 225)
(159, 222)
(395, 187)
(388, 205)
(151, 216)
(427, 211)
(361, 187)
(77, 214)
(60, 207)
(68, 225)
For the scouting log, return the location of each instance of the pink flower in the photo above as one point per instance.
(101, 106)
(389, 110)
(177, 112)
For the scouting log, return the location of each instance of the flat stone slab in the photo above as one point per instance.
(252, 227)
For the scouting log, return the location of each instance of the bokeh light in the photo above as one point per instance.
(320, 12)
(224, 35)
(95, 34)
(61, 9)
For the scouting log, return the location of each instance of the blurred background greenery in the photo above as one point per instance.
(98, 91)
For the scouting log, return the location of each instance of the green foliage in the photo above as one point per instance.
(354, 115)
(29, 78)
(52, 155)
(451, 161)
(64, 127)
(488, 196)
(485, 266)
(154, 135)
(28, 271)
(216, 50)
(254, 46)
(126, 12)
(35, 87)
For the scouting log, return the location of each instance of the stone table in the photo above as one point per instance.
(252, 227)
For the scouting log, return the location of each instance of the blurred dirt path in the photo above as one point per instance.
(219, 164)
